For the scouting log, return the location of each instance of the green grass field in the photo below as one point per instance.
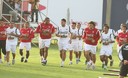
(34, 69)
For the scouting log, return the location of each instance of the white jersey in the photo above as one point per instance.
(65, 31)
(112, 32)
(13, 40)
(107, 37)
(118, 31)
(80, 32)
(74, 32)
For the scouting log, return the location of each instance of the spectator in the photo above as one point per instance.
(34, 9)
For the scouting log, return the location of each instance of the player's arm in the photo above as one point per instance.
(112, 39)
(97, 36)
(38, 29)
(57, 33)
(117, 39)
(31, 34)
(17, 33)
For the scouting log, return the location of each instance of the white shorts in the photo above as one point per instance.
(63, 45)
(90, 48)
(10, 47)
(40, 43)
(106, 50)
(45, 43)
(80, 43)
(23, 45)
(73, 46)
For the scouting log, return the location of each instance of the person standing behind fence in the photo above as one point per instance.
(46, 29)
(34, 10)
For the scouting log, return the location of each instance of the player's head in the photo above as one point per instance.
(78, 25)
(1, 22)
(91, 24)
(26, 25)
(123, 27)
(47, 20)
(73, 25)
(105, 28)
(63, 22)
(12, 24)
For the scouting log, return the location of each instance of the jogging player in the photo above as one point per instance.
(2, 40)
(73, 43)
(63, 34)
(46, 29)
(12, 39)
(106, 40)
(90, 37)
(80, 41)
(26, 37)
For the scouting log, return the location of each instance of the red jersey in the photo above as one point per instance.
(122, 37)
(27, 35)
(90, 34)
(3, 32)
(45, 30)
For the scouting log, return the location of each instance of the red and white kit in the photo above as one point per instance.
(121, 37)
(45, 31)
(89, 35)
(26, 37)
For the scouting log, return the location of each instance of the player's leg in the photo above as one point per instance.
(106, 61)
(63, 57)
(79, 54)
(123, 71)
(41, 47)
(102, 56)
(21, 46)
(93, 56)
(0, 57)
(8, 49)
(47, 43)
(77, 57)
(61, 54)
(70, 53)
(75, 47)
(13, 48)
(79, 49)
(111, 60)
(4, 49)
(70, 56)
(28, 47)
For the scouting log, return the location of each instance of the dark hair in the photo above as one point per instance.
(63, 20)
(47, 18)
(74, 23)
(92, 22)
(28, 23)
(78, 23)
(106, 25)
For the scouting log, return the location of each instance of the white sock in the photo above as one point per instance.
(77, 58)
(90, 62)
(103, 62)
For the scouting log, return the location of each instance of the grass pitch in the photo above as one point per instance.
(34, 69)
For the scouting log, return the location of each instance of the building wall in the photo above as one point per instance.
(119, 13)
